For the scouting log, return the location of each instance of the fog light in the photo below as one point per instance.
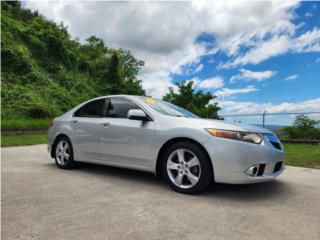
(252, 171)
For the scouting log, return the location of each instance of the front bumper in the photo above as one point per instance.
(231, 160)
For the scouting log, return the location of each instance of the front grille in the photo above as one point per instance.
(276, 145)
(277, 167)
(261, 169)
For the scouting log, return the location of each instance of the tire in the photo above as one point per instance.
(63, 153)
(187, 168)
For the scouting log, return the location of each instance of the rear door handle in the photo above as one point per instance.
(106, 124)
(74, 121)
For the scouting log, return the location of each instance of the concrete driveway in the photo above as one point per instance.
(40, 201)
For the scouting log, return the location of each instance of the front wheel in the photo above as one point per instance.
(64, 153)
(186, 168)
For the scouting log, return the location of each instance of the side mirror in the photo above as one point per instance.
(137, 114)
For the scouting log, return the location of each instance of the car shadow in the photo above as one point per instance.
(121, 173)
(241, 192)
(250, 192)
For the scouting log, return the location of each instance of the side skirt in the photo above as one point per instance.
(116, 164)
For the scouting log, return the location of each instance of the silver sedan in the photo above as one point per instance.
(156, 136)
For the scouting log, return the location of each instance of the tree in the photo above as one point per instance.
(303, 128)
(113, 76)
(121, 74)
(129, 68)
(305, 123)
(197, 102)
(45, 72)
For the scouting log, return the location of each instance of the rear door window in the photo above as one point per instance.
(93, 109)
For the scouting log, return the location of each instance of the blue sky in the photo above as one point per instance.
(304, 68)
(254, 56)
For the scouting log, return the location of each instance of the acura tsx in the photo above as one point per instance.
(156, 136)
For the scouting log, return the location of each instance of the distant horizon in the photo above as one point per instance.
(277, 120)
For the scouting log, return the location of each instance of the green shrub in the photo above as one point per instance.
(15, 124)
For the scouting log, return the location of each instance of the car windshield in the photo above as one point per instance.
(168, 108)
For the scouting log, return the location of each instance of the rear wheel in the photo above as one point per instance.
(64, 153)
(187, 168)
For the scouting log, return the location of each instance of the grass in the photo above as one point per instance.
(23, 140)
(15, 124)
(300, 155)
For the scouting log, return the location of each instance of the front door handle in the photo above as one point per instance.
(106, 124)
(74, 121)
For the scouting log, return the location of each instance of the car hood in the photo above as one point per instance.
(217, 124)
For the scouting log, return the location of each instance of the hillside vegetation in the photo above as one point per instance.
(45, 72)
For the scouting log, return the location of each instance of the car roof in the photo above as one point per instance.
(133, 97)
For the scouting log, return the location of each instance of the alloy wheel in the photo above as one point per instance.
(62, 152)
(183, 168)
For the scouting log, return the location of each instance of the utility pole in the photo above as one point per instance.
(263, 118)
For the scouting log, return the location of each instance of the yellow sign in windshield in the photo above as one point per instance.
(150, 101)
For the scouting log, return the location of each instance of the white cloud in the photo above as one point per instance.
(228, 92)
(277, 45)
(307, 42)
(164, 34)
(195, 81)
(216, 82)
(198, 68)
(233, 107)
(157, 83)
(193, 68)
(248, 75)
(308, 14)
(209, 83)
(263, 50)
(291, 78)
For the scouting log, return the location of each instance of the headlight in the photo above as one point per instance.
(241, 136)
